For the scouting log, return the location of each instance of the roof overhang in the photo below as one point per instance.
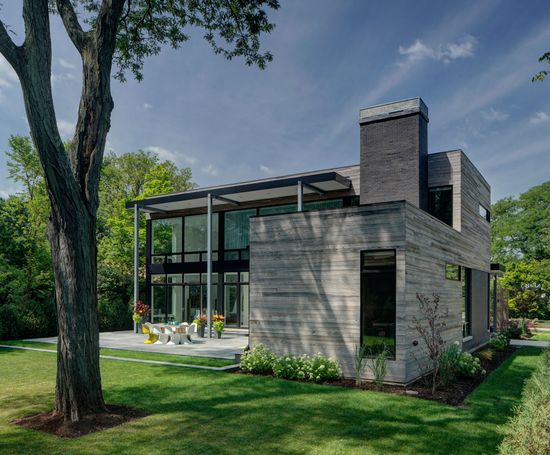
(319, 183)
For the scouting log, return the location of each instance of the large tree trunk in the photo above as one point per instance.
(78, 384)
(72, 181)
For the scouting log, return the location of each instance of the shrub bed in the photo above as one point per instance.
(318, 368)
(528, 432)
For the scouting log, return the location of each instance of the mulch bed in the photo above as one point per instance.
(52, 422)
(453, 394)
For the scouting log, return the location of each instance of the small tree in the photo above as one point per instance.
(430, 326)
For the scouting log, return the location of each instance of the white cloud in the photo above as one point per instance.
(210, 170)
(417, 51)
(493, 115)
(66, 64)
(147, 106)
(176, 157)
(66, 128)
(59, 77)
(266, 169)
(464, 48)
(539, 117)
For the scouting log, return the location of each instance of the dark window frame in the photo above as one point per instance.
(437, 211)
(466, 281)
(393, 354)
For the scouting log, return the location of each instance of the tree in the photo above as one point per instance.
(124, 32)
(541, 75)
(128, 177)
(520, 233)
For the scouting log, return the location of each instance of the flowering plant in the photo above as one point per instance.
(218, 325)
(218, 317)
(140, 309)
(200, 320)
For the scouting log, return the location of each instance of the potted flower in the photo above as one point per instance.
(140, 312)
(201, 321)
(218, 324)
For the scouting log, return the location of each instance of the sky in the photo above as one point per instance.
(470, 61)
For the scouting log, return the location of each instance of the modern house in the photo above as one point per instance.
(326, 260)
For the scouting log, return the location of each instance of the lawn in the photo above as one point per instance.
(197, 411)
(189, 360)
(541, 336)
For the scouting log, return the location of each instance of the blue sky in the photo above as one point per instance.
(470, 61)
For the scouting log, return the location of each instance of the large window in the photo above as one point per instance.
(378, 301)
(236, 233)
(467, 301)
(440, 203)
(236, 298)
(167, 237)
(196, 239)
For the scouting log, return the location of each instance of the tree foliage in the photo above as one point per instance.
(521, 241)
(541, 75)
(27, 306)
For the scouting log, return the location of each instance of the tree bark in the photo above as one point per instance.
(72, 181)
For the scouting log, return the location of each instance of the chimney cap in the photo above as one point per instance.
(393, 110)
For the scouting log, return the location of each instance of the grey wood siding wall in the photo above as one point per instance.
(430, 244)
(305, 279)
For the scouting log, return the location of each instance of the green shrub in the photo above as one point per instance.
(317, 369)
(498, 341)
(448, 363)
(259, 360)
(468, 366)
(512, 330)
(323, 368)
(527, 432)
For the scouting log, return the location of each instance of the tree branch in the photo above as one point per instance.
(8, 48)
(70, 21)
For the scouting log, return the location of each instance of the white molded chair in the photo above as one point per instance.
(192, 329)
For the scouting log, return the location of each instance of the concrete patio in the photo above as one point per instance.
(232, 343)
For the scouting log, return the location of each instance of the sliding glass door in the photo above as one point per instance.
(236, 299)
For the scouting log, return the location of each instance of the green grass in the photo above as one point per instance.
(181, 359)
(541, 336)
(197, 411)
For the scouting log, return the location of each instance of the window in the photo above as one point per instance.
(484, 213)
(287, 208)
(467, 301)
(167, 237)
(326, 204)
(236, 232)
(195, 237)
(452, 272)
(440, 203)
(236, 298)
(378, 301)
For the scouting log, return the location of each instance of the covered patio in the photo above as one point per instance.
(230, 346)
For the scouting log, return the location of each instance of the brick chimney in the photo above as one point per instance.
(394, 153)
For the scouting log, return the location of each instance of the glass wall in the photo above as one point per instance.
(195, 237)
(166, 239)
(236, 298)
(378, 301)
(236, 233)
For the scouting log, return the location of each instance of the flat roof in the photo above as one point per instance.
(257, 190)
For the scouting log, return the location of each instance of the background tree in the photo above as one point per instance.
(125, 178)
(520, 230)
(541, 75)
(125, 32)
